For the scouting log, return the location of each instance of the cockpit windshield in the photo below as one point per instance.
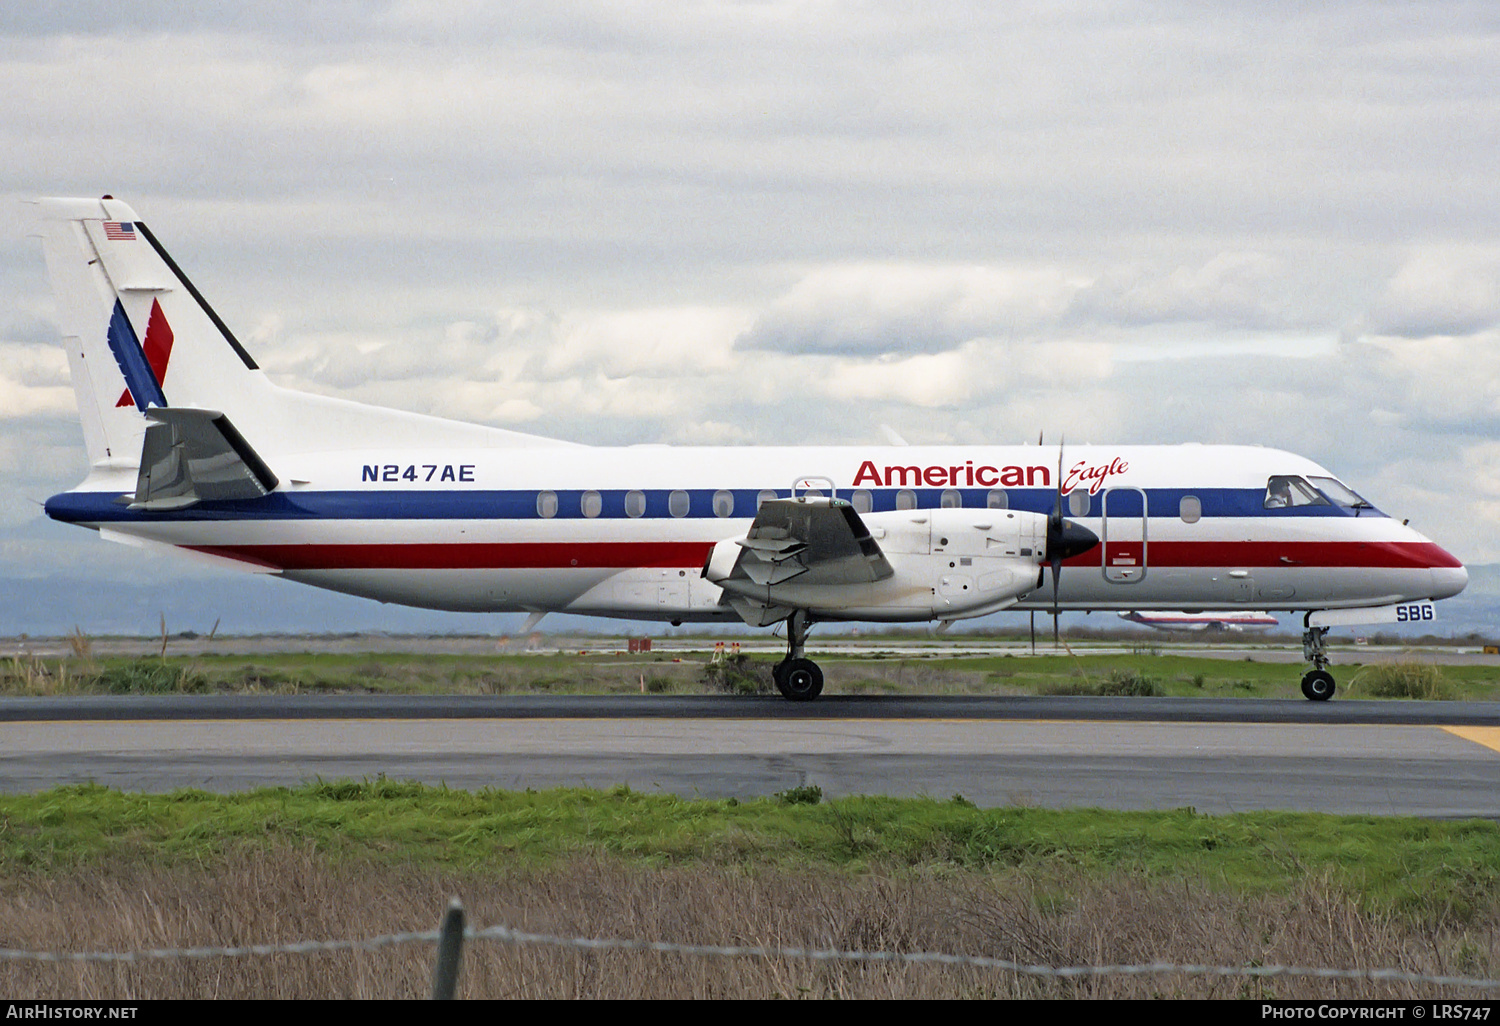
(1340, 493)
(1285, 490)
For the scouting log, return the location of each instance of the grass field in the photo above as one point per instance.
(1145, 671)
(89, 869)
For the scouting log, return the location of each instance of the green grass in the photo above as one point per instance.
(1427, 869)
(1140, 672)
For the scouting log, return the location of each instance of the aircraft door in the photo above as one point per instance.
(1123, 540)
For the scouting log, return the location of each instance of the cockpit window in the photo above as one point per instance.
(1340, 493)
(1285, 491)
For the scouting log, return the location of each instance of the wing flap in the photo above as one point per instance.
(814, 540)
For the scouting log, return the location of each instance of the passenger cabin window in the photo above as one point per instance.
(677, 503)
(997, 499)
(861, 500)
(1078, 503)
(591, 504)
(906, 499)
(635, 503)
(1190, 509)
(1286, 491)
(723, 503)
(765, 496)
(952, 499)
(546, 504)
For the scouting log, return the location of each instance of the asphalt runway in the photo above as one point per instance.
(1424, 758)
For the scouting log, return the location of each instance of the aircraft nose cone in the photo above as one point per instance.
(1448, 581)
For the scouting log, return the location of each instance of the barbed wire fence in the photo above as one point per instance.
(453, 932)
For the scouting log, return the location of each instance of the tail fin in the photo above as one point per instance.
(137, 333)
(139, 337)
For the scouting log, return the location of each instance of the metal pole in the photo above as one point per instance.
(449, 953)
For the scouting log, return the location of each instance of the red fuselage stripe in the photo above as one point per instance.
(1288, 554)
(469, 555)
(625, 555)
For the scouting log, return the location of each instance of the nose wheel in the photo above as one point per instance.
(797, 678)
(1318, 686)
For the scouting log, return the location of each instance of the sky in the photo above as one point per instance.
(741, 223)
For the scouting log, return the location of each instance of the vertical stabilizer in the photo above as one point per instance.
(140, 337)
(137, 333)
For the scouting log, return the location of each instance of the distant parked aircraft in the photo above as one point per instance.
(1223, 621)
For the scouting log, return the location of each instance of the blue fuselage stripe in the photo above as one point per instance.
(521, 504)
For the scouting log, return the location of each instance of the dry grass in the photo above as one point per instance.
(1403, 679)
(914, 677)
(287, 896)
(30, 675)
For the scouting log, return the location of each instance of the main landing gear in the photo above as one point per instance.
(797, 678)
(1317, 684)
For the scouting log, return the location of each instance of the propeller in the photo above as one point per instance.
(1065, 539)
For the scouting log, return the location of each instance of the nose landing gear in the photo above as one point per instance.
(1317, 683)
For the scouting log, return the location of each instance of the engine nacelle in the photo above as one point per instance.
(944, 564)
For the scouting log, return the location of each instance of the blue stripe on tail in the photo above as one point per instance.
(144, 388)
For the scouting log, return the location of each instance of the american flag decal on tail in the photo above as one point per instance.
(119, 231)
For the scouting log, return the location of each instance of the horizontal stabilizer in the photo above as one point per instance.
(191, 456)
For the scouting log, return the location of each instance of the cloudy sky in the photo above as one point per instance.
(739, 223)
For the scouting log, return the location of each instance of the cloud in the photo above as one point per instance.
(1237, 289)
(875, 309)
(34, 382)
(1448, 384)
(671, 342)
(1449, 290)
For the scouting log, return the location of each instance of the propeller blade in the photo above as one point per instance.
(1065, 539)
(1055, 570)
(1057, 502)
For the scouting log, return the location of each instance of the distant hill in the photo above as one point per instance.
(243, 604)
(1484, 579)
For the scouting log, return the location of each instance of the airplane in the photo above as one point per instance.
(1167, 620)
(193, 450)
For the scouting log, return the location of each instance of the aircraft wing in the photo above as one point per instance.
(811, 540)
(190, 456)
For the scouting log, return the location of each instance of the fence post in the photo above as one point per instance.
(449, 953)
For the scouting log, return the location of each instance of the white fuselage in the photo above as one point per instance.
(626, 531)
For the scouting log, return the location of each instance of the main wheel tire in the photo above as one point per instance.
(778, 674)
(799, 680)
(1318, 686)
